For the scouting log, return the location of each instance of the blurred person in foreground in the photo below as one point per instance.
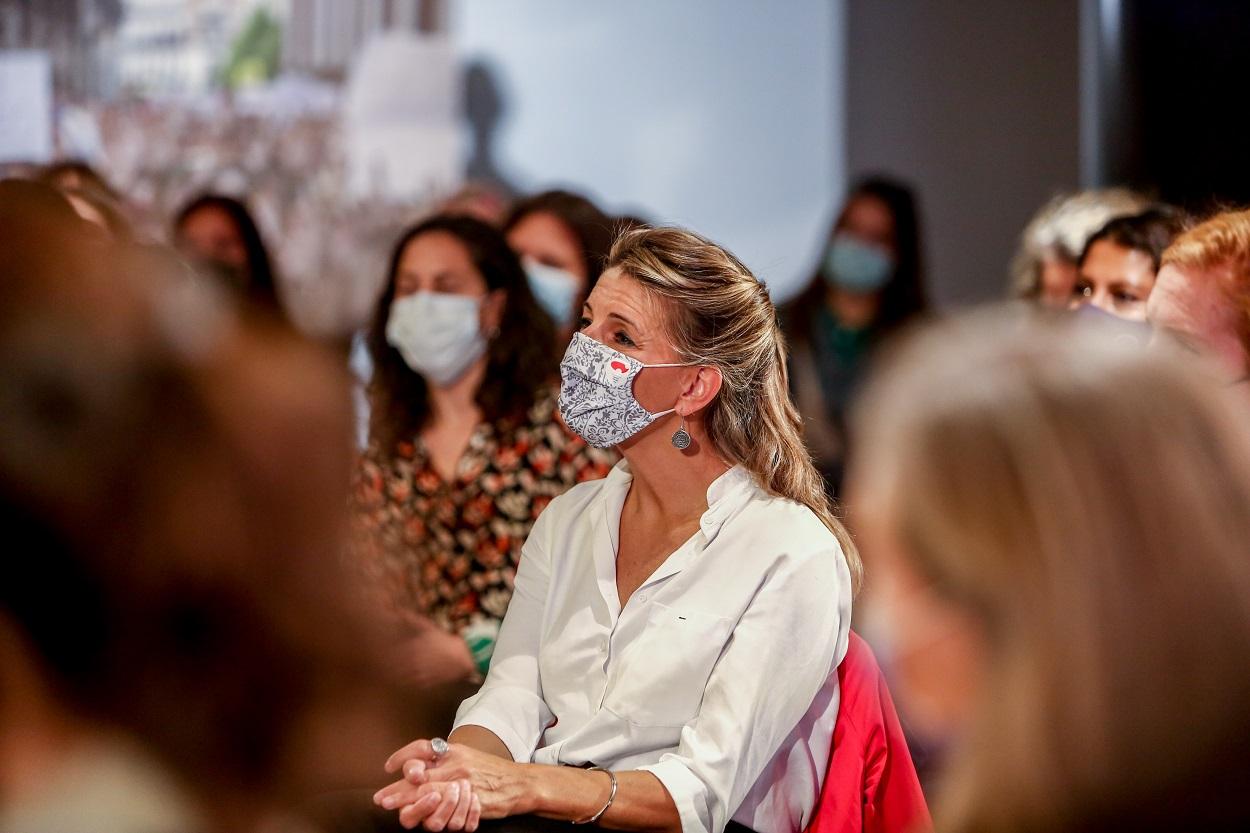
(218, 234)
(90, 194)
(1044, 268)
(173, 487)
(1117, 268)
(77, 175)
(562, 239)
(96, 208)
(868, 284)
(677, 624)
(1056, 522)
(464, 449)
(1201, 299)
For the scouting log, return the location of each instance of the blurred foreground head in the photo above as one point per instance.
(1202, 297)
(1055, 524)
(90, 195)
(173, 481)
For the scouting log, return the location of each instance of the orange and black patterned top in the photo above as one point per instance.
(449, 550)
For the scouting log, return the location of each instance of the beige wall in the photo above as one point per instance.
(975, 101)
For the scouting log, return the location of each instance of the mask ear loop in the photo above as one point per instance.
(681, 437)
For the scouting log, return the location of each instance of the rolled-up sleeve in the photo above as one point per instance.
(780, 655)
(510, 703)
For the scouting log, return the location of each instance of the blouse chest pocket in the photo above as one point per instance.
(662, 676)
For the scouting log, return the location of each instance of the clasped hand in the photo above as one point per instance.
(454, 791)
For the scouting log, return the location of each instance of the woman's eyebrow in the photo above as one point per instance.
(623, 319)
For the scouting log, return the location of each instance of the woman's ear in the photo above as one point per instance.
(492, 310)
(700, 389)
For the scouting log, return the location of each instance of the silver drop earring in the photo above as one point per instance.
(681, 437)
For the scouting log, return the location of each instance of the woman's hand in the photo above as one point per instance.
(495, 788)
(437, 806)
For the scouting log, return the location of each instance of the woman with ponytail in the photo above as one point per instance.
(666, 660)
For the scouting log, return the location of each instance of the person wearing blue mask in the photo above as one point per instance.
(562, 239)
(867, 283)
(465, 449)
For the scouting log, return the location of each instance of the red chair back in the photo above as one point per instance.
(871, 785)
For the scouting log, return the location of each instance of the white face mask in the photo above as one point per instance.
(597, 393)
(438, 334)
(555, 289)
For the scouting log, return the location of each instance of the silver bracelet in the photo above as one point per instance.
(611, 796)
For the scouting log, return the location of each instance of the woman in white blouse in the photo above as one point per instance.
(667, 660)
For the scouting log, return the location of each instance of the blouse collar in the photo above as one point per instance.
(724, 495)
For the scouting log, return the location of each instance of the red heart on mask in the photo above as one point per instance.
(619, 366)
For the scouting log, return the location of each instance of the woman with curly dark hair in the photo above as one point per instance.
(465, 448)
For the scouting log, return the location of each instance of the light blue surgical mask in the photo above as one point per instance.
(1137, 333)
(856, 266)
(438, 334)
(555, 289)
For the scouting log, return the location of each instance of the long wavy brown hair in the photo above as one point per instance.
(724, 318)
(522, 357)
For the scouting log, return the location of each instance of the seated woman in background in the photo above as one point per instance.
(675, 625)
(465, 449)
(1057, 523)
(1117, 268)
(869, 282)
(562, 240)
(218, 232)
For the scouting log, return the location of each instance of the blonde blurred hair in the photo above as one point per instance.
(1088, 504)
(722, 317)
(1061, 227)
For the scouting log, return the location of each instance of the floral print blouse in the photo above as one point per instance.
(449, 550)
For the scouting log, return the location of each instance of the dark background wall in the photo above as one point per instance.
(1173, 99)
(977, 103)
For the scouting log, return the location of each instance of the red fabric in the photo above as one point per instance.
(871, 786)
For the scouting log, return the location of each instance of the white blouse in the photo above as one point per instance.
(719, 674)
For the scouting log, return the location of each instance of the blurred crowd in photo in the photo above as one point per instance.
(300, 467)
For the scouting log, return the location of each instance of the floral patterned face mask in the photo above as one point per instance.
(597, 393)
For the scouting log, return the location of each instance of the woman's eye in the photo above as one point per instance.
(622, 338)
(1126, 297)
(1083, 290)
(583, 323)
